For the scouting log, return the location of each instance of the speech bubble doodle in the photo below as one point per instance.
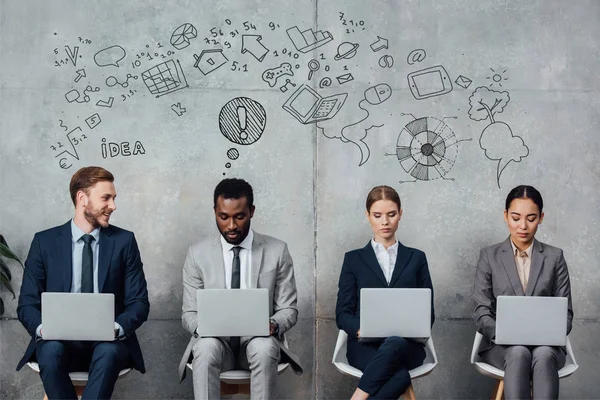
(109, 56)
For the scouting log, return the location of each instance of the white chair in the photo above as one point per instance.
(238, 381)
(79, 379)
(498, 374)
(341, 363)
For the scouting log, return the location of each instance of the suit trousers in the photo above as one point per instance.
(385, 365)
(259, 355)
(526, 369)
(103, 361)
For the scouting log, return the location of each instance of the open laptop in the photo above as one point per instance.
(308, 106)
(388, 312)
(233, 312)
(531, 320)
(78, 316)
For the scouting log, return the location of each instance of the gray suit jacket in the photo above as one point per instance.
(497, 276)
(272, 268)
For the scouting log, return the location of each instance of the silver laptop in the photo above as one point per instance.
(78, 316)
(233, 312)
(531, 320)
(388, 312)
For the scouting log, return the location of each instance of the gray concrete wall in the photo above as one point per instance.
(310, 179)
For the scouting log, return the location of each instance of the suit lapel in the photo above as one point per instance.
(537, 262)
(369, 257)
(105, 247)
(64, 251)
(257, 257)
(508, 261)
(217, 262)
(402, 260)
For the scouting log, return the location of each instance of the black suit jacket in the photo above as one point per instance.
(361, 270)
(48, 268)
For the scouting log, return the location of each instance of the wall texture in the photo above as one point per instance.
(452, 103)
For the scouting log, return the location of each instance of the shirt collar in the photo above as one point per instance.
(378, 247)
(77, 233)
(527, 250)
(246, 243)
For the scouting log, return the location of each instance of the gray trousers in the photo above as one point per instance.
(527, 368)
(259, 355)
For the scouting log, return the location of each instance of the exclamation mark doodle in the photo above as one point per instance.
(241, 112)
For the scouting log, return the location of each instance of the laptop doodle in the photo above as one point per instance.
(308, 106)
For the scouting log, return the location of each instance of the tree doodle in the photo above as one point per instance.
(496, 140)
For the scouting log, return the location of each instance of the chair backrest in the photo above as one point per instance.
(474, 351)
(339, 354)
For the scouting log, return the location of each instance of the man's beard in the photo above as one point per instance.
(93, 215)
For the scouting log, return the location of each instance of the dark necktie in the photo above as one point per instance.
(235, 284)
(87, 265)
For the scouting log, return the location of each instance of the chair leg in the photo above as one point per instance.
(409, 394)
(498, 393)
(231, 388)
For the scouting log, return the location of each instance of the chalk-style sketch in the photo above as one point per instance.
(325, 82)
(177, 109)
(164, 78)
(72, 54)
(427, 149)
(308, 40)
(416, 56)
(284, 88)
(107, 104)
(93, 120)
(112, 81)
(74, 95)
(463, 82)
(346, 51)
(210, 60)
(272, 74)
(227, 165)
(379, 44)
(344, 78)
(233, 153)
(497, 77)
(63, 163)
(80, 74)
(308, 106)
(180, 39)
(242, 120)
(313, 66)
(357, 132)
(71, 138)
(112, 149)
(109, 56)
(429, 82)
(497, 139)
(386, 61)
(252, 44)
(62, 125)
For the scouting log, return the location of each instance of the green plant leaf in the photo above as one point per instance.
(1, 307)
(6, 252)
(6, 283)
(4, 268)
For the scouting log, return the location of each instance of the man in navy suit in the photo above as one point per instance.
(85, 255)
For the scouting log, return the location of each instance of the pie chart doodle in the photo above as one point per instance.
(242, 120)
(180, 39)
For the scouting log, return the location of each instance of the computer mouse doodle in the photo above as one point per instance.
(378, 94)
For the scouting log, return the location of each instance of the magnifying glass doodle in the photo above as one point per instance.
(314, 66)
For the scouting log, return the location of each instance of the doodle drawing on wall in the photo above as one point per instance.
(496, 140)
(308, 40)
(164, 78)
(252, 44)
(379, 44)
(180, 39)
(346, 51)
(272, 74)
(308, 106)
(210, 60)
(429, 82)
(416, 56)
(242, 120)
(109, 56)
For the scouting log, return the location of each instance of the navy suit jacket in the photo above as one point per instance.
(361, 270)
(48, 268)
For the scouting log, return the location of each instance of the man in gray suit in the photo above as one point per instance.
(239, 258)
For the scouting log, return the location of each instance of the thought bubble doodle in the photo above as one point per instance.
(109, 56)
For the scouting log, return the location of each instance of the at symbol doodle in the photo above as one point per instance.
(416, 56)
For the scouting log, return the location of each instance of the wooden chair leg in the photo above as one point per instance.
(227, 388)
(498, 393)
(409, 394)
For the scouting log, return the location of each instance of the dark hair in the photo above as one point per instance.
(87, 177)
(234, 188)
(525, 192)
(382, 193)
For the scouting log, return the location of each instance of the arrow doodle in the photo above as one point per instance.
(80, 74)
(380, 44)
(72, 54)
(251, 44)
(107, 104)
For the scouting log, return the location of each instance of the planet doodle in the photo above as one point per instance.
(346, 51)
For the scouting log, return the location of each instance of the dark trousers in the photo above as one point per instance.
(526, 369)
(385, 365)
(103, 361)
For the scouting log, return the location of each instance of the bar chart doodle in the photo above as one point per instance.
(165, 78)
(308, 40)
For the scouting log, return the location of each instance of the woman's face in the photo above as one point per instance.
(522, 218)
(384, 217)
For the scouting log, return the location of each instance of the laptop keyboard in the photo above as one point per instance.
(325, 108)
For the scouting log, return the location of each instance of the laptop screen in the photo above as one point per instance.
(304, 102)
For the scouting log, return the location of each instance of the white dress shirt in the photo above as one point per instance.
(245, 261)
(386, 258)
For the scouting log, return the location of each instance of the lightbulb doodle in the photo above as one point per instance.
(427, 148)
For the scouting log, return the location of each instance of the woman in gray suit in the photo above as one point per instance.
(521, 266)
